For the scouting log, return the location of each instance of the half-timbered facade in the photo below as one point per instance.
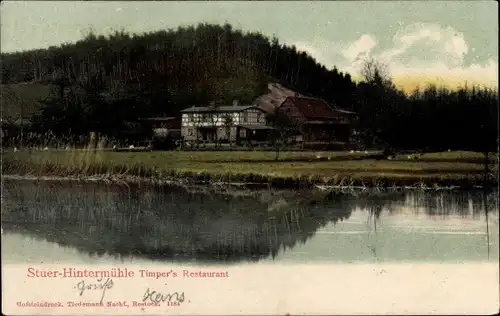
(222, 123)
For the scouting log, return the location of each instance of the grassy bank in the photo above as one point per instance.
(292, 170)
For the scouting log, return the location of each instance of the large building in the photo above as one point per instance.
(317, 121)
(224, 123)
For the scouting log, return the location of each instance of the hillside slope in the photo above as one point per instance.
(175, 69)
(22, 100)
(275, 95)
(101, 82)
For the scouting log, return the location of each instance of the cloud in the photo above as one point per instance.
(424, 42)
(360, 48)
(312, 49)
(435, 53)
(323, 51)
(479, 73)
(418, 54)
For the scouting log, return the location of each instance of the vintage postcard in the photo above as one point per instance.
(249, 157)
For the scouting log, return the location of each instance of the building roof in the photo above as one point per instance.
(220, 109)
(344, 111)
(275, 96)
(255, 126)
(313, 108)
(169, 122)
(162, 119)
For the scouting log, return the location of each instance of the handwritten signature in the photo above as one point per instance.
(101, 284)
(157, 297)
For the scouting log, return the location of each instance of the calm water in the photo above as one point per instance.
(54, 222)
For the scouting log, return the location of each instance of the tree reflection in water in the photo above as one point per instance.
(201, 224)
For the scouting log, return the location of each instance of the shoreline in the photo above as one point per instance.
(277, 183)
(248, 170)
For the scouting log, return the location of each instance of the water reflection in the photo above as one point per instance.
(212, 225)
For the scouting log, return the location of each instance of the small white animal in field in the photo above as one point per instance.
(318, 156)
(389, 158)
(15, 149)
(351, 151)
(68, 148)
(131, 147)
(46, 149)
(449, 150)
(366, 151)
(114, 146)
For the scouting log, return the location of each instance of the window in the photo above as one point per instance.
(260, 117)
(245, 116)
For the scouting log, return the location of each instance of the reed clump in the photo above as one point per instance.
(92, 161)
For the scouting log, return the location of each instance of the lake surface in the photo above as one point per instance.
(84, 223)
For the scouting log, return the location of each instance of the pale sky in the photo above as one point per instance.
(421, 41)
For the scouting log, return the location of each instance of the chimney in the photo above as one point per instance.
(235, 102)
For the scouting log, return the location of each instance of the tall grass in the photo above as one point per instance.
(91, 162)
(295, 170)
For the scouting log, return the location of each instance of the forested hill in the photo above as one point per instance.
(181, 67)
(101, 82)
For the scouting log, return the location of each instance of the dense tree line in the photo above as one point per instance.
(433, 119)
(195, 64)
(102, 82)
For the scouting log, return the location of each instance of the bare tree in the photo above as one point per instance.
(228, 123)
(376, 72)
(282, 125)
(379, 103)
